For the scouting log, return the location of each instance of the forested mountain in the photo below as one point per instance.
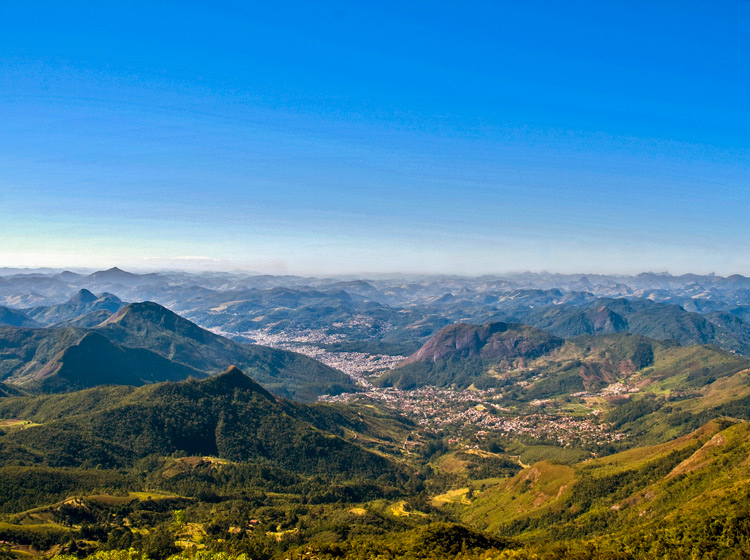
(460, 354)
(535, 365)
(94, 360)
(64, 359)
(227, 416)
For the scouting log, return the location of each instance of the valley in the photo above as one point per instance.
(386, 421)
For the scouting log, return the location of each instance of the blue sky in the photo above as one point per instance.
(333, 137)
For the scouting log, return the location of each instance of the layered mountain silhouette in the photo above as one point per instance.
(154, 327)
(115, 275)
(654, 320)
(146, 343)
(82, 303)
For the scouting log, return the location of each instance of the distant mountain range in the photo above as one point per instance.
(82, 303)
(396, 315)
(654, 320)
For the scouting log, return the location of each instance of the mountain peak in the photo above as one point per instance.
(112, 274)
(145, 309)
(235, 378)
(82, 297)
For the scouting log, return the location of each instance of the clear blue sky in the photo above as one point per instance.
(327, 137)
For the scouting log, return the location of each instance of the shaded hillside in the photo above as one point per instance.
(151, 326)
(9, 391)
(94, 360)
(26, 351)
(14, 318)
(65, 359)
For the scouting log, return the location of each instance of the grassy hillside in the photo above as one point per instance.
(634, 490)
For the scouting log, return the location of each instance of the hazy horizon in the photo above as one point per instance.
(11, 270)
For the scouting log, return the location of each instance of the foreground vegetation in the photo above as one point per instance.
(70, 488)
(611, 446)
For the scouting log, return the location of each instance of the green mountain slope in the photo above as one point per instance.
(227, 416)
(65, 359)
(637, 363)
(637, 498)
(94, 360)
(609, 372)
(26, 351)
